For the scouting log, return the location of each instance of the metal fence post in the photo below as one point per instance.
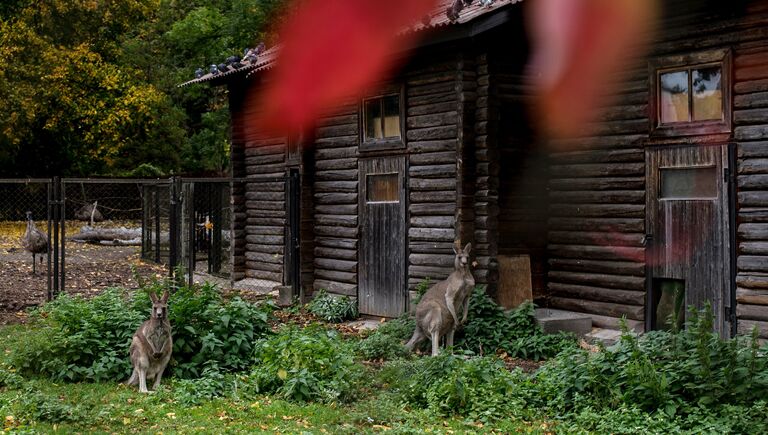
(172, 228)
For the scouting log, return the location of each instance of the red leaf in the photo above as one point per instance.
(333, 50)
(580, 48)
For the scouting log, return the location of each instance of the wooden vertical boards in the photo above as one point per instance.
(515, 285)
(382, 285)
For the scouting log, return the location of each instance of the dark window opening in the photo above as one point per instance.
(667, 304)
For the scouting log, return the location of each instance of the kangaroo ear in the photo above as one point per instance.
(455, 250)
(153, 296)
(467, 248)
(165, 296)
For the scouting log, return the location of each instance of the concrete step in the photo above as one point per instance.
(608, 337)
(553, 321)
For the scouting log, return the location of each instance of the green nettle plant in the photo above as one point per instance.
(75, 339)
(386, 341)
(670, 372)
(490, 329)
(312, 364)
(333, 308)
(210, 332)
(480, 388)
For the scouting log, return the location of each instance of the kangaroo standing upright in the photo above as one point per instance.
(151, 345)
(436, 313)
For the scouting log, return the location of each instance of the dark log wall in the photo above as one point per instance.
(517, 164)
(335, 201)
(237, 159)
(750, 120)
(264, 202)
(434, 108)
(597, 181)
(597, 212)
(743, 30)
(487, 169)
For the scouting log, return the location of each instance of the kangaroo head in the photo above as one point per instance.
(462, 256)
(159, 306)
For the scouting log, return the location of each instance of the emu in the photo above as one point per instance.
(34, 241)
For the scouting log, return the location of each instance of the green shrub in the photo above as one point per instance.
(489, 329)
(333, 308)
(75, 339)
(305, 365)
(209, 331)
(479, 388)
(671, 372)
(386, 341)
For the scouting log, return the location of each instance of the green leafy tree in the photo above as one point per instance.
(91, 87)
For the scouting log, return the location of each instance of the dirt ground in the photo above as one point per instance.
(89, 270)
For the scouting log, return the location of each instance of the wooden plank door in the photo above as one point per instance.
(688, 241)
(382, 283)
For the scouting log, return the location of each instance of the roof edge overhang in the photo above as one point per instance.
(442, 34)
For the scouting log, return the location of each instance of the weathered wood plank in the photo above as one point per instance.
(338, 288)
(601, 308)
(752, 312)
(597, 252)
(597, 266)
(596, 238)
(598, 280)
(745, 327)
(592, 210)
(597, 293)
(611, 225)
(335, 253)
(599, 183)
(336, 264)
(753, 297)
(431, 234)
(598, 197)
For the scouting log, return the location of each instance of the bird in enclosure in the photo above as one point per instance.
(34, 241)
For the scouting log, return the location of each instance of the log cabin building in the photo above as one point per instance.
(661, 203)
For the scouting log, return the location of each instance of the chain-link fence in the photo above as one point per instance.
(119, 232)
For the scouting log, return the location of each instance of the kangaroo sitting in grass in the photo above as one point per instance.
(436, 312)
(151, 345)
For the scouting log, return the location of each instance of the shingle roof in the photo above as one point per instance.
(437, 19)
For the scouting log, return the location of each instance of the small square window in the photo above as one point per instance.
(382, 121)
(690, 95)
(382, 187)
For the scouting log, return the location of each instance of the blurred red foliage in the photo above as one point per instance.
(333, 50)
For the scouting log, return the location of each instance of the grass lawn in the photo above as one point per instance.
(243, 368)
(47, 407)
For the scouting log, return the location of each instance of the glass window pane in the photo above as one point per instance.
(392, 116)
(688, 183)
(673, 104)
(707, 94)
(382, 188)
(373, 119)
